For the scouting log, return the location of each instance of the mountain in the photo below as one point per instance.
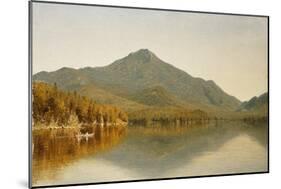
(155, 96)
(255, 104)
(65, 78)
(142, 71)
(103, 97)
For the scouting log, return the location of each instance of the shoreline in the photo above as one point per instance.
(48, 127)
(128, 124)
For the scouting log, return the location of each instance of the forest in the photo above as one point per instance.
(168, 115)
(53, 107)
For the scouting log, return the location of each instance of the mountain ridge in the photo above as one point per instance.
(140, 70)
(255, 104)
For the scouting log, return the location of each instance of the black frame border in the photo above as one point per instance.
(30, 63)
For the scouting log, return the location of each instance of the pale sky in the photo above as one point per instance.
(231, 50)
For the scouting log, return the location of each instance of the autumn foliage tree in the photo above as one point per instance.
(51, 105)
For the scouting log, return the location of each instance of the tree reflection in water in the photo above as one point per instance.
(55, 149)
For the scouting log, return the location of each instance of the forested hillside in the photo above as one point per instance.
(52, 106)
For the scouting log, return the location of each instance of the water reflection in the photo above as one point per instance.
(149, 152)
(163, 150)
(55, 149)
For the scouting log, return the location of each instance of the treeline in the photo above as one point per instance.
(247, 116)
(254, 119)
(167, 116)
(53, 106)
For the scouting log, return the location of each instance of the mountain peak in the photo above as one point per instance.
(143, 55)
(144, 51)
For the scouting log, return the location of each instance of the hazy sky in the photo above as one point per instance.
(231, 50)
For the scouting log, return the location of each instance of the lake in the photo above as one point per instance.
(138, 152)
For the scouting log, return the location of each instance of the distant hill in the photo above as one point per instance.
(104, 97)
(157, 82)
(255, 104)
(65, 78)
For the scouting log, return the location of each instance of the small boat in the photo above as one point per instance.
(86, 136)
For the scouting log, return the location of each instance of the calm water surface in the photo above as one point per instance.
(138, 152)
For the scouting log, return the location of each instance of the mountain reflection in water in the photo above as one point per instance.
(139, 152)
